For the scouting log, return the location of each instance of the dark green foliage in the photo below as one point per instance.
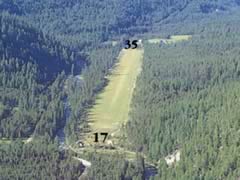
(38, 160)
(80, 22)
(31, 95)
(25, 44)
(32, 99)
(115, 167)
(188, 99)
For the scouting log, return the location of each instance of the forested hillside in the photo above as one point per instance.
(80, 22)
(109, 167)
(30, 63)
(23, 42)
(187, 100)
(37, 160)
(32, 77)
(87, 21)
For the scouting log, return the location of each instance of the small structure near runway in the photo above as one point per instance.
(84, 162)
(173, 158)
(80, 144)
(140, 43)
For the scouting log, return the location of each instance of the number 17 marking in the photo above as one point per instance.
(102, 134)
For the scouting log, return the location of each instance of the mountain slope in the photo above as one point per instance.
(187, 101)
(27, 45)
(84, 21)
(29, 66)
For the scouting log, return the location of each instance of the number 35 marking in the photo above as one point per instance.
(128, 44)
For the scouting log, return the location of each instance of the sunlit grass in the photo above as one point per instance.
(8, 141)
(5, 141)
(112, 105)
(173, 39)
(181, 37)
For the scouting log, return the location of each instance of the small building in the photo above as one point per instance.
(173, 158)
(162, 42)
(80, 144)
(140, 43)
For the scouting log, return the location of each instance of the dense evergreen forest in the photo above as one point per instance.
(108, 167)
(30, 80)
(80, 22)
(31, 103)
(34, 73)
(37, 160)
(186, 97)
(187, 100)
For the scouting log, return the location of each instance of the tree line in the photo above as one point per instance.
(187, 100)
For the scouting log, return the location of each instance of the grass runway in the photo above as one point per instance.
(112, 105)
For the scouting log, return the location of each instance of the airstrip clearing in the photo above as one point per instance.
(112, 105)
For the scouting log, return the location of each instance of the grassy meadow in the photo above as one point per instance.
(112, 105)
(173, 39)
